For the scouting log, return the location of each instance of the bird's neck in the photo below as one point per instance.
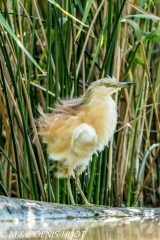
(100, 99)
(101, 114)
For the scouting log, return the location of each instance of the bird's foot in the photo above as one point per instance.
(91, 206)
(97, 205)
(94, 207)
(88, 204)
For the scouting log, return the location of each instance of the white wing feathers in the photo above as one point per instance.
(84, 134)
(84, 143)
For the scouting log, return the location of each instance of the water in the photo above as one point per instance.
(135, 228)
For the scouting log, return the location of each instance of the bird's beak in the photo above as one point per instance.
(122, 84)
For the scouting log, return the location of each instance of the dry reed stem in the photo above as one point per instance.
(31, 24)
(157, 121)
(37, 144)
(87, 37)
(43, 32)
(21, 38)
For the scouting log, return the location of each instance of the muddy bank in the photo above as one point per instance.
(20, 209)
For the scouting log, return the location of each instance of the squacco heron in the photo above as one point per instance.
(80, 127)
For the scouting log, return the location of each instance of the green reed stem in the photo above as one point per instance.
(90, 185)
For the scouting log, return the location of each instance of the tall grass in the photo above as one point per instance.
(54, 49)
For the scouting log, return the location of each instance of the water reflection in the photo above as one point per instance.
(83, 229)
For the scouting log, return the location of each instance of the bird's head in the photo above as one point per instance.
(100, 89)
(108, 85)
(97, 90)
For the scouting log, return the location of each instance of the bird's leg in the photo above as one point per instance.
(80, 190)
(70, 191)
(77, 182)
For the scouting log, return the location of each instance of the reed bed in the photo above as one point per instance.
(51, 49)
